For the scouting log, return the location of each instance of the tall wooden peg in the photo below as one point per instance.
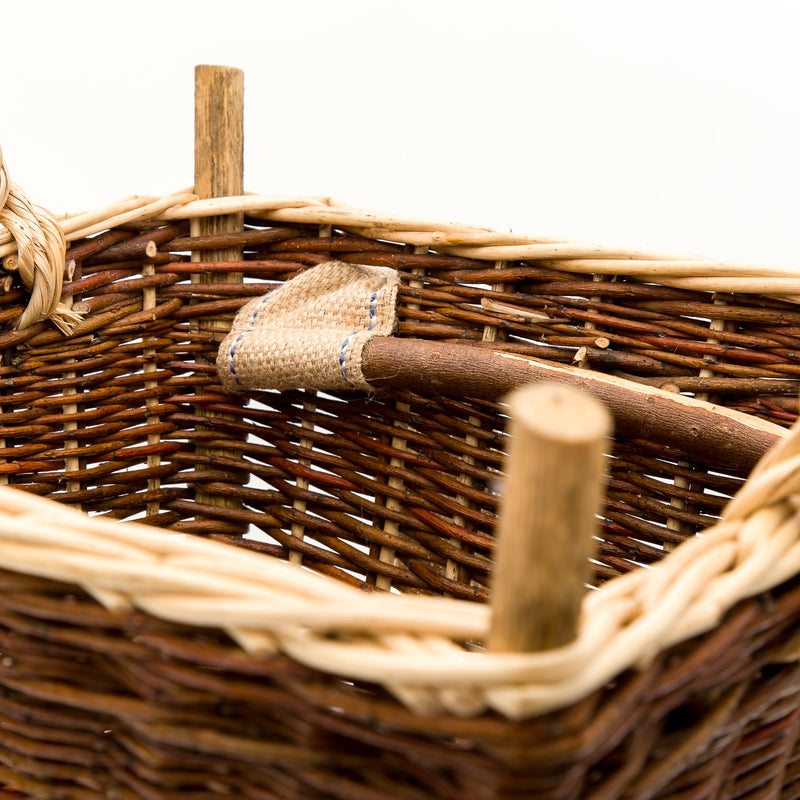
(218, 172)
(218, 158)
(553, 491)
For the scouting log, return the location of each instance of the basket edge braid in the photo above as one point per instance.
(679, 271)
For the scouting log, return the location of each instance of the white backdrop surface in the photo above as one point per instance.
(667, 125)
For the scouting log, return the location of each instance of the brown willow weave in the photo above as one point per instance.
(398, 491)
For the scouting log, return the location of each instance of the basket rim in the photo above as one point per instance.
(698, 273)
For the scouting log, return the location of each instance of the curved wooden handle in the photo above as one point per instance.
(712, 434)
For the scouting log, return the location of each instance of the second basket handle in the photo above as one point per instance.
(35, 246)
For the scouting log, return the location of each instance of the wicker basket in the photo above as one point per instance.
(141, 664)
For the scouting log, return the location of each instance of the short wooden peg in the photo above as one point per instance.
(553, 491)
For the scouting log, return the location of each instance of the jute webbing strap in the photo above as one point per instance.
(310, 333)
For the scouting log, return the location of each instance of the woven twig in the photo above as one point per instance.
(324, 624)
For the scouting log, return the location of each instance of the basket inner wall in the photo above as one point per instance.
(398, 490)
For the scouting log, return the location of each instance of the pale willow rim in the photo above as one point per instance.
(412, 645)
(679, 271)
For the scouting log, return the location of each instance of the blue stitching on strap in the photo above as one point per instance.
(373, 301)
(238, 339)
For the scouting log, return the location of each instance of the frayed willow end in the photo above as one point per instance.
(65, 319)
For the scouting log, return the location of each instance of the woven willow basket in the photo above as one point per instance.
(137, 663)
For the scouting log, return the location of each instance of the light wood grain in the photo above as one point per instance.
(219, 161)
(219, 172)
(553, 490)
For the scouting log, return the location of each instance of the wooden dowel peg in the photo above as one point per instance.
(218, 172)
(218, 159)
(553, 491)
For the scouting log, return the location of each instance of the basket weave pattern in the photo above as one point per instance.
(126, 418)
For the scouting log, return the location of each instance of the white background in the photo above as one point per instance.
(668, 125)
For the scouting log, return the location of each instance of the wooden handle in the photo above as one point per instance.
(547, 516)
(712, 434)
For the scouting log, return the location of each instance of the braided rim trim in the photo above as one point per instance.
(414, 645)
(681, 271)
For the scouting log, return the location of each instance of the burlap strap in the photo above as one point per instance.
(310, 333)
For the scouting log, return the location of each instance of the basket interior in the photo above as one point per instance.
(397, 490)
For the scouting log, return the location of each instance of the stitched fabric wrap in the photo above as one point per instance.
(310, 333)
